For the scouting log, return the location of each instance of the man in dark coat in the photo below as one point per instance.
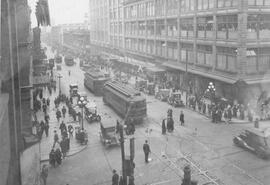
(52, 158)
(46, 127)
(63, 127)
(163, 127)
(182, 119)
(64, 110)
(115, 178)
(146, 150)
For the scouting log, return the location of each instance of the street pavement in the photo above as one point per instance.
(208, 147)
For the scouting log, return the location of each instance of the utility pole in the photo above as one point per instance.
(59, 77)
(123, 155)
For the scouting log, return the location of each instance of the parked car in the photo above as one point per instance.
(91, 112)
(175, 99)
(163, 94)
(73, 89)
(108, 135)
(254, 140)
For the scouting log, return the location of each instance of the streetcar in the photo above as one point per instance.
(125, 101)
(94, 81)
(69, 61)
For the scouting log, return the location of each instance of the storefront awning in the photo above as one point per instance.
(201, 73)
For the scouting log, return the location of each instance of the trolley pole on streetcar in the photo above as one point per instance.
(121, 130)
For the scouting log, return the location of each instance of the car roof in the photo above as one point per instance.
(107, 123)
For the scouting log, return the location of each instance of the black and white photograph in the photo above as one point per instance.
(135, 92)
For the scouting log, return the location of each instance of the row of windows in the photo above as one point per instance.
(258, 27)
(225, 57)
(159, 9)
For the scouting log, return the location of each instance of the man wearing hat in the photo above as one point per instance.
(115, 178)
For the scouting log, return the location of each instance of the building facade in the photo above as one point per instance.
(226, 42)
(16, 90)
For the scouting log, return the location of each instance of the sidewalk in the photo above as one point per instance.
(46, 143)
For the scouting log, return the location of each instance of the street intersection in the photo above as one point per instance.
(206, 146)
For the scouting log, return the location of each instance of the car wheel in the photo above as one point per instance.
(98, 118)
(236, 142)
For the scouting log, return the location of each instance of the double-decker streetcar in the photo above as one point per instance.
(94, 81)
(125, 100)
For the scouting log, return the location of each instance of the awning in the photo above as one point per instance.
(201, 73)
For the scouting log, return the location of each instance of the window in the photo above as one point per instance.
(160, 28)
(186, 5)
(227, 27)
(172, 28)
(150, 28)
(187, 54)
(172, 7)
(258, 59)
(258, 2)
(204, 55)
(226, 58)
(186, 26)
(258, 26)
(205, 27)
(227, 3)
(172, 50)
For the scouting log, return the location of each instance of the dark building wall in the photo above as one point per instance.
(5, 155)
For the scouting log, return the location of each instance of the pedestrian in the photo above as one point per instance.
(46, 118)
(64, 110)
(63, 146)
(44, 101)
(48, 102)
(52, 158)
(44, 107)
(163, 126)
(182, 119)
(46, 127)
(71, 100)
(115, 178)
(63, 127)
(42, 128)
(146, 150)
(44, 174)
(117, 127)
(70, 130)
(58, 156)
(121, 182)
(55, 138)
(58, 115)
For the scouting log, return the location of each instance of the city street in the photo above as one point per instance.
(206, 145)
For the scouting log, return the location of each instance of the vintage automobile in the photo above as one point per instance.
(163, 94)
(91, 112)
(81, 135)
(175, 100)
(73, 90)
(254, 140)
(141, 85)
(108, 135)
(150, 88)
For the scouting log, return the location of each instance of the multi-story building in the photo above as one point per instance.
(17, 137)
(226, 42)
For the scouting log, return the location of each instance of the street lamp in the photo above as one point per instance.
(82, 102)
(211, 89)
(59, 77)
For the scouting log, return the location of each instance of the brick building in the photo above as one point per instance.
(226, 42)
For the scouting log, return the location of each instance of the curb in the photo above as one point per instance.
(68, 155)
